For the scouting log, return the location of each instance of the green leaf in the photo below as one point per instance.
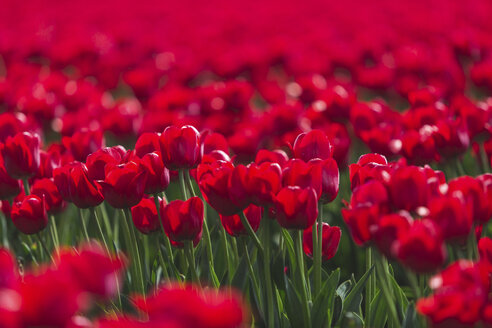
(411, 319)
(355, 295)
(344, 289)
(400, 297)
(323, 303)
(290, 249)
(379, 313)
(293, 305)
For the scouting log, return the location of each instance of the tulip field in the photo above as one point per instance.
(233, 164)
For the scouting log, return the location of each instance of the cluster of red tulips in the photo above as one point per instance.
(329, 160)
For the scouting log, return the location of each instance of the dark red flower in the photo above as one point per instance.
(180, 147)
(84, 192)
(183, 220)
(408, 188)
(84, 142)
(296, 208)
(265, 181)
(330, 240)
(124, 185)
(271, 156)
(369, 166)
(299, 173)
(459, 294)
(388, 229)
(145, 217)
(211, 141)
(452, 215)
(360, 221)
(421, 248)
(233, 225)
(9, 187)
(29, 215)
(93, 270)
(158, 176)
(147, 143)
(330, 179)
(213, 181)
(21, 155)
(46, 188)
(97, 161)
(474, 194)
(313, 144)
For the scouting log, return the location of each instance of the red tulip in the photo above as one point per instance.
(84, 192)
(460, 292)
(453, 216)
(299, 173)
(369, 166)
(157, 174)
(330, 179)
(147, 143)
(238, 186)
(233, 225)
(97, 161)
(408, 188)
(485, 251)
(29, 215)
(211, 141)
(124, 185)
(183, 220)
(180, 147)
(296, 208)
(360, 221)
(213, 182)
(93, 270)
(330, 240)
(276, 156)
(265, 181)
(84, 142)
(421, 248)
(388, 229)
(474, 194)
(46, 188)
(313, 144)
(9, 187)
(144, 216)
(21, 155)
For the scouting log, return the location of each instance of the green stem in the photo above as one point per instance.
(43, 246)
(317, 250)
(302, 279)
(472, 245)
(208, 242)
(167, 242)
(484, 158)
(268, 275)
(84, 226)
(182, 184)
(371, 284)
(161, 258)
(252, 274)
(98, 222)
(25, 183)
(250, 231)
(191, 261)
(230, 269)
(135, 257)
(384, 279)
(137, 251)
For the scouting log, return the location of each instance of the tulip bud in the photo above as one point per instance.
(144, 216)
(233, 225)
(21, 155)
(97, 161)
(157, 174)
(29, 215)
(313, 144)
(296, 208)
(124, 185)
(330, 240)
(46, 188)
(84, 142)
(421, 248)
(9, 187)
(180, 147)
(147, 143)
(408, 188)
(84, 192)
(183, 220)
